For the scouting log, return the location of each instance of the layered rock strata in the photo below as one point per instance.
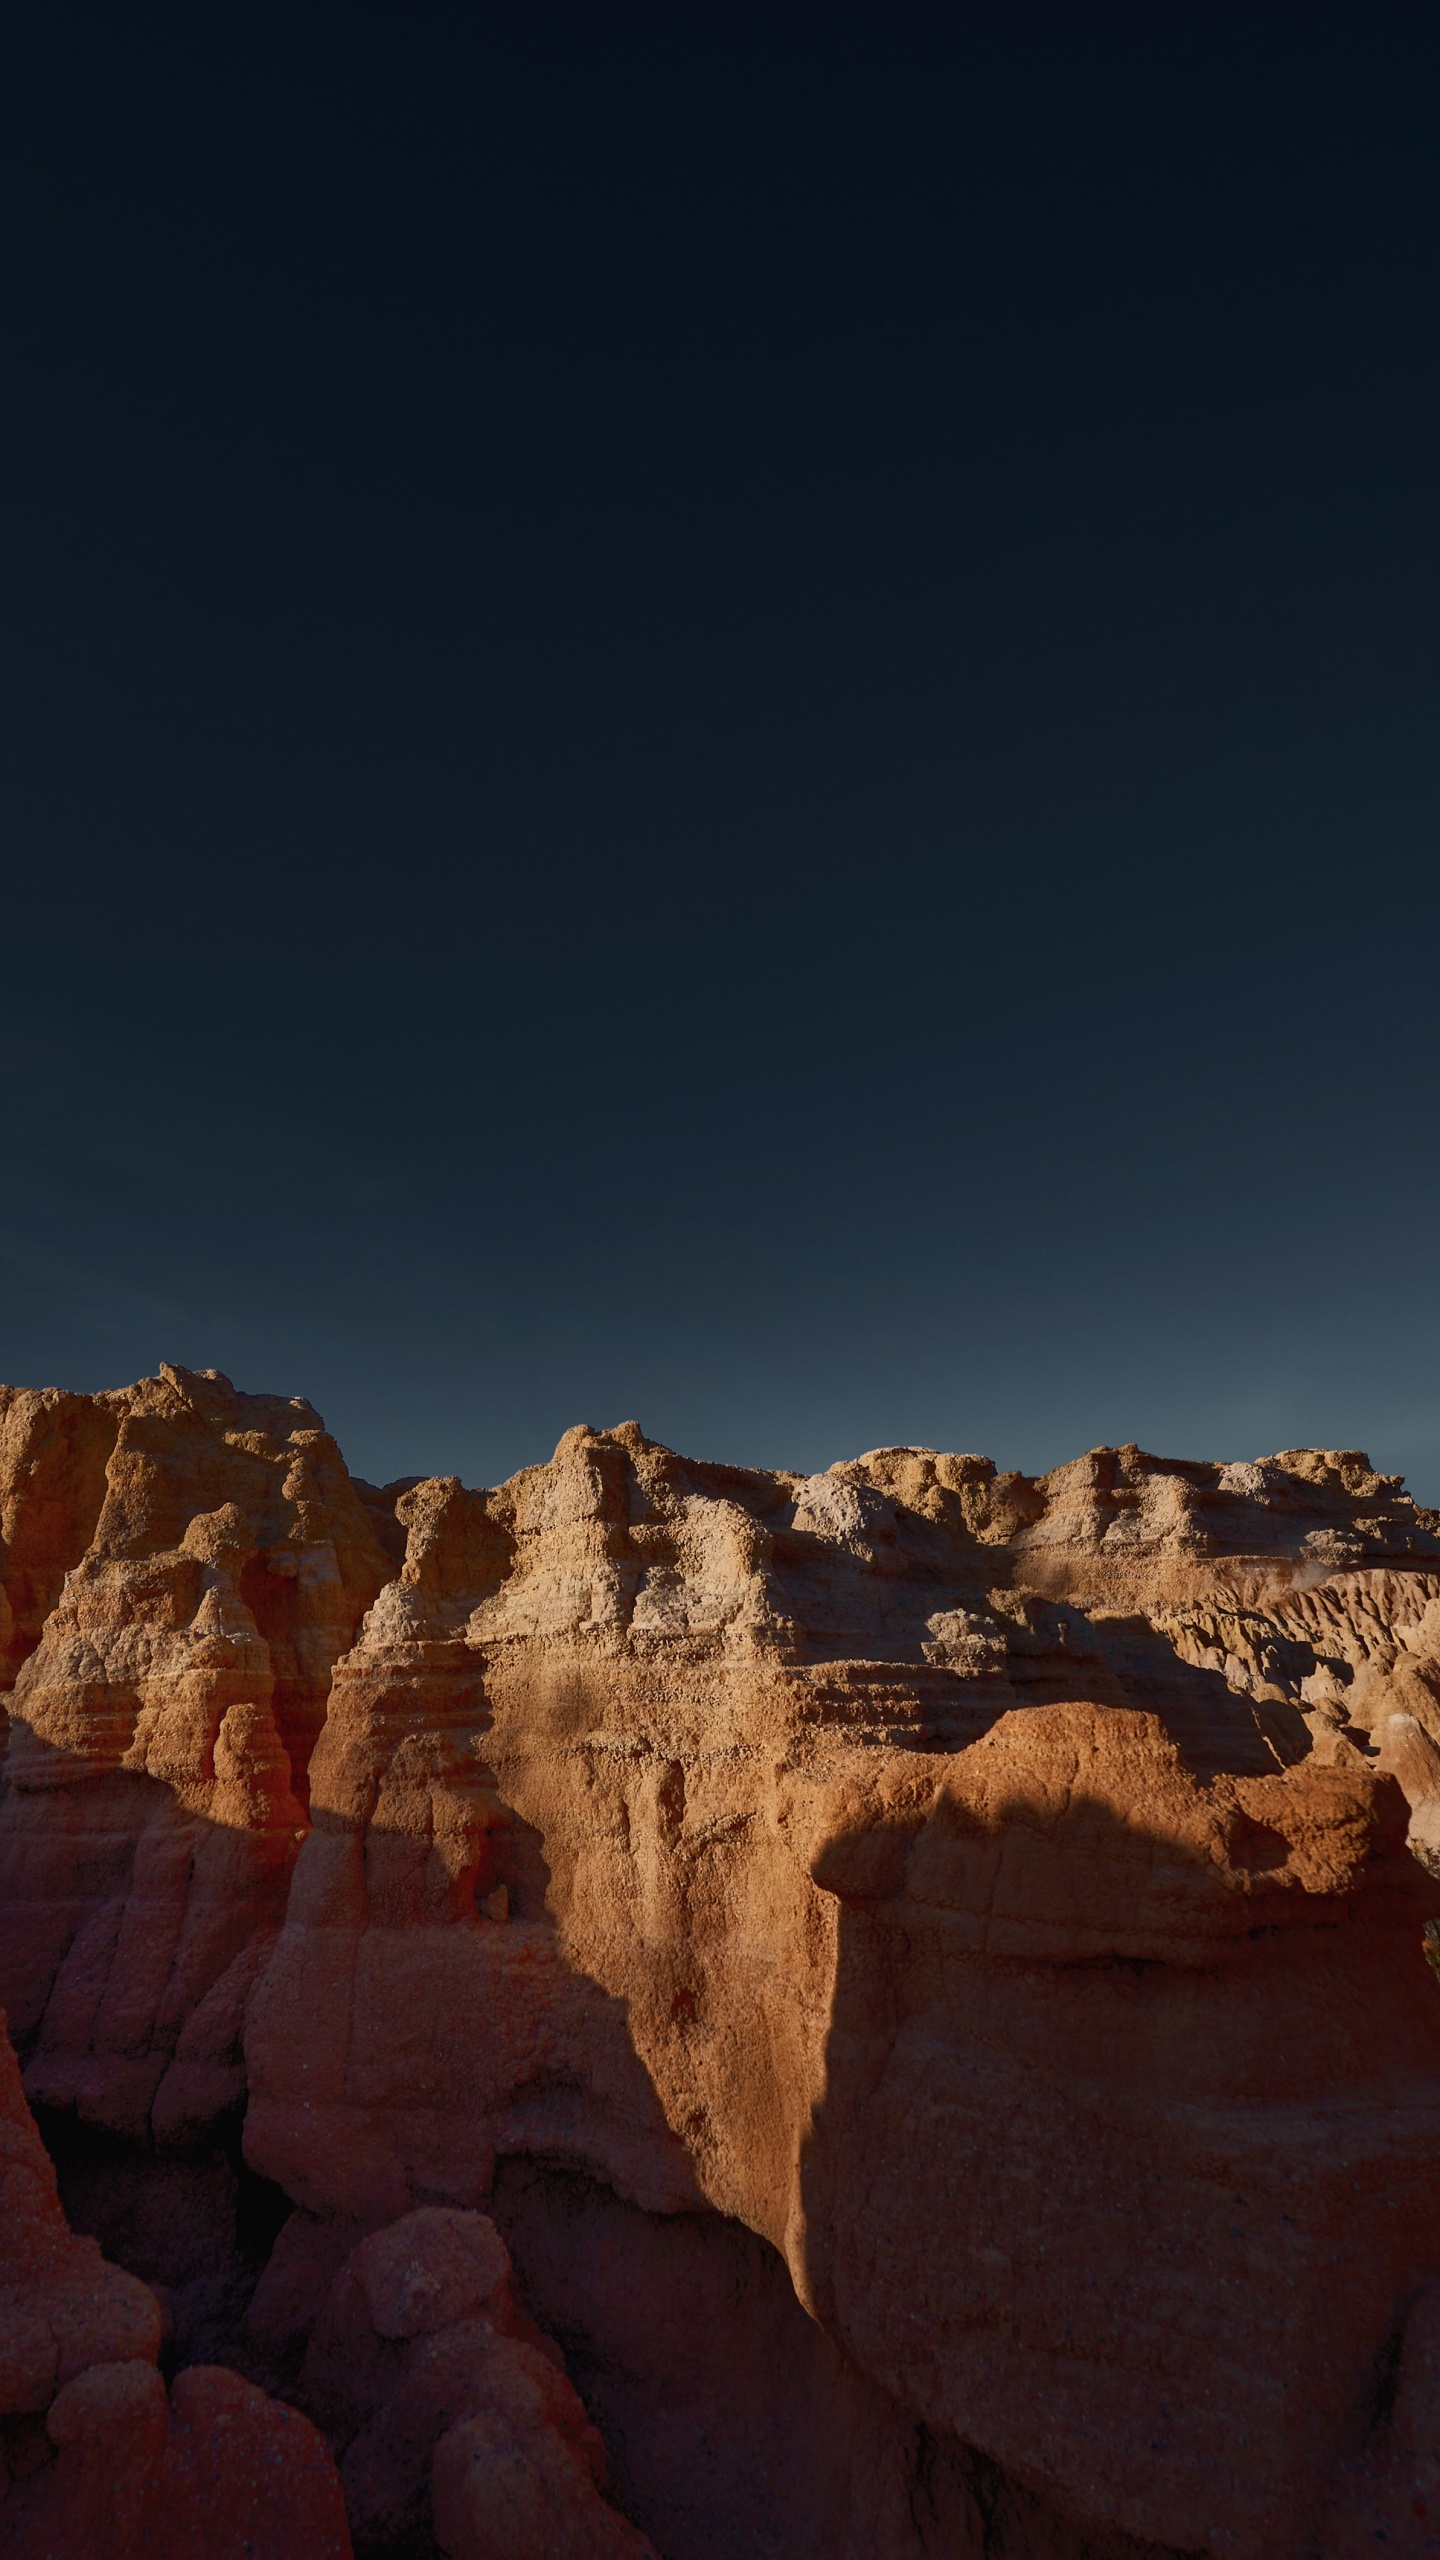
(991, 1893)
(163, 1721)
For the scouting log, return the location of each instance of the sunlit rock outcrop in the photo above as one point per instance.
(977, 1921)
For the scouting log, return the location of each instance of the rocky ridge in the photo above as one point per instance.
(923, 1967)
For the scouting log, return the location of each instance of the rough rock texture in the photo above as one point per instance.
(442, 2401)
(94, 2460)
(53, 1453)
(929, 1951)
(162, 1729)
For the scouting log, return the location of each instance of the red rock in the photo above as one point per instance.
(53, 1453)
(222, 2473)
(991, 1892)
(1389, 2498)
(247, 2477)
(161, 1725)
(104, 2488)
(221, 2470)
(420, 2340)
(307, 2257)
(431, 2269)
(62, 2309)
(515, 2481)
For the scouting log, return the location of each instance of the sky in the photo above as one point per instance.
(728, 715)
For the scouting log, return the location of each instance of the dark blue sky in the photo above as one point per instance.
(727, 714)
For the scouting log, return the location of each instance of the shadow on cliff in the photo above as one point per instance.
(732, 2422)
(735, 2421)
(983, 2168)
(131, 1930)
(1065, 2191)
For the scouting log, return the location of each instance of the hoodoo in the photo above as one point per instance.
(671, 2008)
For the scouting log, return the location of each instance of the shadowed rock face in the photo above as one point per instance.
(986, 1897)
(95, 2458)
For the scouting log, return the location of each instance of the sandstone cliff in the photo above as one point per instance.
(923, 1965)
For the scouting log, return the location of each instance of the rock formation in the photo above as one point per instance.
(96, 2459)
(433, 2385)
(924, 1967)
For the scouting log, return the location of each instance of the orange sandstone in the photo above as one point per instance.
(964, 1931)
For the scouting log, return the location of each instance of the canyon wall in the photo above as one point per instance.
(924, 1967)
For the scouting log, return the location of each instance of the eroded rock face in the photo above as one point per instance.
(95, 2458)
(992, 1894)
(53, 1453)
(162, 1727)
